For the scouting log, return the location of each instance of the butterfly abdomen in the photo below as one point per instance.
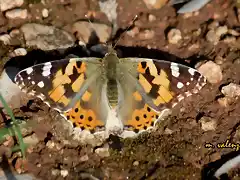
(112, 92)
(111, 60)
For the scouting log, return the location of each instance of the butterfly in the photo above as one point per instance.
(100, 94)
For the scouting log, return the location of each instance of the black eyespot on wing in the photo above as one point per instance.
(144, 64)
(137, 118)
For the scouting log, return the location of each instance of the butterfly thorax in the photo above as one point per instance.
(111, 63)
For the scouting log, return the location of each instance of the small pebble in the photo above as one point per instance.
(208, 124)
(221, 30)
(219, 60)
(233, 32)
(155, 4)
(50, 144)
(168, 131)
(151, 18)
(6, 39)
(135, 163)
(230, 40)
(211, 71)
(14, 32)
(64, 173)
(212, 37)
(17, 14)
(145, 35)
(45, 13)
(31, 140)
(232, 90)
(225, 101)
(55, 172)
(84, 158)
(18, 52)
(213, 25)
(174, 36)
(103, 152)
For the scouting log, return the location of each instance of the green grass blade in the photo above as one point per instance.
(15, 126)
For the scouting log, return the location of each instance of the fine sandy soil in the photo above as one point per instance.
(176, 150)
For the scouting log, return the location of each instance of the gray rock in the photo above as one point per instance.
(10, 176)
(46, 37)
(17, 14)
(232, 90)
(10, 4)
(9, 90)
(208, 124)
(211, 71)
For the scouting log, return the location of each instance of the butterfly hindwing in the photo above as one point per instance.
(71, 86)
(151, 86)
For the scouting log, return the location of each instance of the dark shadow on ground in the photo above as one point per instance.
(209, 170)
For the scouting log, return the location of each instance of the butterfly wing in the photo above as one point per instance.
(149, 87)
(72, 86)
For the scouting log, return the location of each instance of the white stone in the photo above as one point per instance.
(17, 14)
(208, 124)
(232, 90)
(174, 36)
(10, 4)
(64, 173)
(103, 152)
(18, 52)
(6, 39)
(45, 13)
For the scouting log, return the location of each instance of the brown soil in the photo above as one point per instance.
(182, 153)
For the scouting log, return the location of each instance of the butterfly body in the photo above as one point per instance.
(110, 94)
(111, 63)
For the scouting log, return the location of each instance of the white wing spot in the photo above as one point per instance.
(29, 70)
(191, 79)
(175, 73)
(191, 71)
(41, 84)
(47, 65)
(179, 85)
(29, 78)
(33, 82)
(46, 72)
(175, 69)
(188, 83)
(46, 69)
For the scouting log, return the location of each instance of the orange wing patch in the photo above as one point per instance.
(142, 119)
(83, 118)
(62, 77)
(78, 65)
(158, 85)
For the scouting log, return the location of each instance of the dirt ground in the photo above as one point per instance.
(176, 150)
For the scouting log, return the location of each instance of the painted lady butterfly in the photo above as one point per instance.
(97, 94)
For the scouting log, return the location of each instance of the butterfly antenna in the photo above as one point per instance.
(122, 35)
